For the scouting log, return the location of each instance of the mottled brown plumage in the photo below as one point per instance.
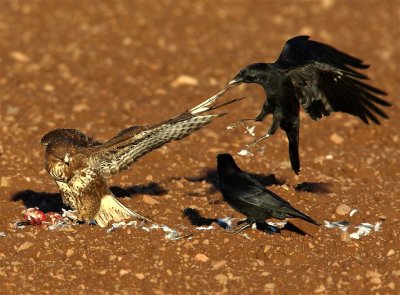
(80, 164)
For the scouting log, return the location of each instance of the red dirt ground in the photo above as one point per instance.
(101, 66)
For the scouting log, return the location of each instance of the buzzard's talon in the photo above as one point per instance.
(92, 222)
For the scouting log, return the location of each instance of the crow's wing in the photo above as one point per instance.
(73, 135)
(242, 186)
(131, 144)
(322, 89)
(301, 49)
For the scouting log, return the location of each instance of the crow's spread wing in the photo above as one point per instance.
(75, 136)
(301, 49)
(323, 89)
(325, 80)
(131, 144)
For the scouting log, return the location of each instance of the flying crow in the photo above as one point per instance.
(249, 197)
(317, 76)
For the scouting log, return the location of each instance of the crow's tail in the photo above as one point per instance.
(293, 137)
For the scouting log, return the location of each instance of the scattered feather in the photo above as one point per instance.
(225, 223)
(365, 229)
(278, 224)
(2, 234)
(250, 130)
(352, 212)
(70, 214)
(245, 152)
(343, 225)
(362, 230)
(210, 227)
(171, 234)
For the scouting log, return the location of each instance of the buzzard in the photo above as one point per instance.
(316, 76)
(80, 165)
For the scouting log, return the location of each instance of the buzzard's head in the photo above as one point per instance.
(59, 155)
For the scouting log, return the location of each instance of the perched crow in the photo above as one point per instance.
(320, 78)
(249, 197)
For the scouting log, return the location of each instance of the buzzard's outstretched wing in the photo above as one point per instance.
(323, 89)
(131, 144)
(75, 136)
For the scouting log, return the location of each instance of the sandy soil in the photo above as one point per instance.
(101, 66)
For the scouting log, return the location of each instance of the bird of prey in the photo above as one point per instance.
(80, 165)
(247, 196)
(316, 76)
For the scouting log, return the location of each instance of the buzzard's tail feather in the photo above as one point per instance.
(111, 210)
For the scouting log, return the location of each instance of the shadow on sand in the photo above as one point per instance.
(52, 202)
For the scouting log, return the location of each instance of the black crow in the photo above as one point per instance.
(249, 197)
(320, 78)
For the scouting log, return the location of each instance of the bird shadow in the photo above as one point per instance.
(52, 202)
(314, 187)
(196, 219)
(46, 202)
(152, 188)
(210, 176)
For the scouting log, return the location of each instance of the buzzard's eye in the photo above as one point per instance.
(67, 158)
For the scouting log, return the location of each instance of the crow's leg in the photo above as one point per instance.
(238, 230)
(266, 110)
(246, 225)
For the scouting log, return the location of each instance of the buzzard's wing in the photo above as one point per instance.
(301, 49)
(131, 144)
(323, 89)
(75, 136)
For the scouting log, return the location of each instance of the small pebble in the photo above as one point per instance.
(336, 138)
(345, 236)
(221, 278)
(150, 200)
(19, 56)
(201, 258)
(184, 80)
(139, 275)
(390, 252)
(218, 264)
(343, 209)
(123, 272)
